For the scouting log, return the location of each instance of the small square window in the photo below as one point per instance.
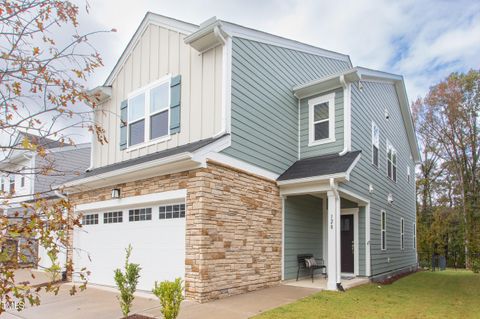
(141, 214)
(90, 219)
(112, 217)
(171, 211)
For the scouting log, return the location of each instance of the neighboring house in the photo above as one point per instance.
(232, 150)
(26, 175)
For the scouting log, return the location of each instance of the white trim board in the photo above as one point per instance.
(356, 249)
(132, 201)
(362, 201)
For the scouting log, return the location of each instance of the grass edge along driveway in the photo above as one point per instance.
(446, 294)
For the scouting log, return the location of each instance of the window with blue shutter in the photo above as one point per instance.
(151, 113)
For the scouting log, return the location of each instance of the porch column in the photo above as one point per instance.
(333, 261)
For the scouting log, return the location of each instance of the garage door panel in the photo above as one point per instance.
(158, 246)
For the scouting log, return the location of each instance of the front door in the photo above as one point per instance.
(347, 243)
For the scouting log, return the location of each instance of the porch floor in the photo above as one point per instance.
(320, 282)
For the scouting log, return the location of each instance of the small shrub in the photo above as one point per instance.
(127, 282)
(476, 265)
(170, 294)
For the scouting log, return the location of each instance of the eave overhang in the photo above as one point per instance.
(100, 94)
(209, 36)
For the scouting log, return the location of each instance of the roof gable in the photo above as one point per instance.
(150, 18)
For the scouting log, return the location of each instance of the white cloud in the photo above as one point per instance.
(423, 40)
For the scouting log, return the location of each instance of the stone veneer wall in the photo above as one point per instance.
(234, 226)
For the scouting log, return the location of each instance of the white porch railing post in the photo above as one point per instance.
(333, 245)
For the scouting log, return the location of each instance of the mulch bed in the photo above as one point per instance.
(392, 279)
(138, 317)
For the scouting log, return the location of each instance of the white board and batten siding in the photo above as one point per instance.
(160, 52)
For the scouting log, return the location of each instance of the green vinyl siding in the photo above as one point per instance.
(303, 230)
(369, 104)
(327, 148)
(264, 112)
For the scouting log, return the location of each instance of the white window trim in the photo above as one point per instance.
(389, 145)
(330, 99)
(147, 115)
(383, 232)
(408, 174)
(402, 234)
(378, 144)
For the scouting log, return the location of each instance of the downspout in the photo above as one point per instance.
(92, 140)
(346, 116)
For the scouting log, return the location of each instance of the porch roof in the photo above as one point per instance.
(324, 165)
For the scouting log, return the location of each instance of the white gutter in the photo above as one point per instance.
(60, 194)
(131, 169)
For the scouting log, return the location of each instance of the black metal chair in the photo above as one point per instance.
(303, 265)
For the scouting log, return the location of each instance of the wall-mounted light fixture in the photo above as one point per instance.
(116, 193)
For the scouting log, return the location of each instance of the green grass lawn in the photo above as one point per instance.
(447, 294)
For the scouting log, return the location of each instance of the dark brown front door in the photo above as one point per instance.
(346, 228)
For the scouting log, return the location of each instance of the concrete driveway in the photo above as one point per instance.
(101, 303)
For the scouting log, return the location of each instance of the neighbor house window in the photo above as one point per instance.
(135, 215)
(402, 233)
(384, 230)
(22, 178)
(148, 113)
(2, 181)
(414, 236)
(12, 184)
(90, 219)
(172, 211)
(321, 119)
(391, 162)
(112, 217)
(375, 143)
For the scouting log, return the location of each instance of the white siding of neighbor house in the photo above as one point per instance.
(159, 52)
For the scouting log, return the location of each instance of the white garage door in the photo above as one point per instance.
(157, 236)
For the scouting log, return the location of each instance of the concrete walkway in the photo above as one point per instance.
(101, 303)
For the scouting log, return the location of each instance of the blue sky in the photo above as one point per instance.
(422, 40)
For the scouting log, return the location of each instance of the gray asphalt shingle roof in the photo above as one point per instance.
(186, 148)
(319, 165)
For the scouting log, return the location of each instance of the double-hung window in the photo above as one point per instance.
(148, 113)
(12, 184)
(383, 234)
(402, 234)
(321, 119)
(22, 178)
(391, 162)
(375, 144)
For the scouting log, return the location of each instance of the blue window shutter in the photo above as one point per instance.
(175, 94)
(123, 124)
